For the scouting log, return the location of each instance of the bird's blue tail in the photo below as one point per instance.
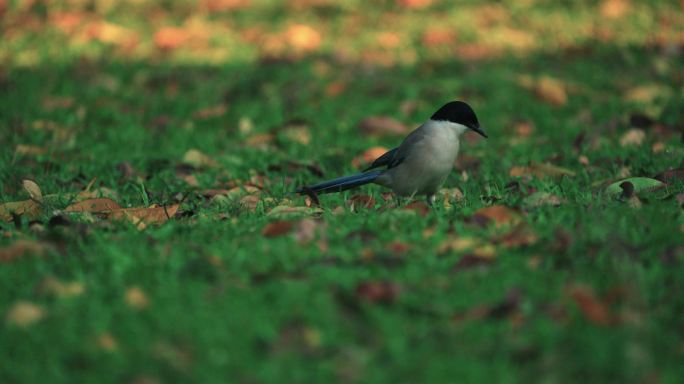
(342, 183)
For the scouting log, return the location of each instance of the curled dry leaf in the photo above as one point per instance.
(32, 189)
(378, 291)
(136, 298)
(381, 126)
(24, 314)
(500, 215)
(592, 307)
(27, 208)
(305, 231)
(368, 156)
(278, 228)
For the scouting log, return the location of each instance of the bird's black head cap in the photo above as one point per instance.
(460, 113)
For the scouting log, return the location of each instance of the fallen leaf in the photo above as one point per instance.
(357, 202)
(398, 247)
(541, 170)
(32, 189)
(136, 298)
(382, 126)
(613, 9)
(457, 244)
(378, 291)
(671, 176)
(305, 231)
(519, 236)
(470, 260)
(368, 156)
(415, 4)
(24, 314)
(170, 38)
(54, 287)
(418, 207)
(498, 214)
(29, 208)
(22, 248)
(209, 112)
(278, 228)
(590, 305)
(30, 150)
(298, 134)
(640, 184)
(647, 93)
(302, 37)
(437, 37)
(541, 198)
(250, 202)
(634, 136)
(197, 159)
(96, 205)
(548, 89)
(283, 210)
(107, 342)
(147, 216)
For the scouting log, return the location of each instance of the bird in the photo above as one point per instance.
(421, 163)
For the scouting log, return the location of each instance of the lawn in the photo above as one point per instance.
(149, 232)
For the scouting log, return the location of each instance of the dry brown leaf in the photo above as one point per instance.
(436, 37)
(22, 248)
(457, 244)
(30, 150)
(419, 207)
(540, 170)
(53, 286)
(32, 189)
(590, 305)
(136, 298)
(305, 231)
(548, 89)
(357, 202)
(285, 210)
(198, 159)
(209, 112)
(381, 126)
(299, 134)
(250, 202)
(28, 208)
(634, 136)
(260, 140)
(24, 314)
(521, 235)
(671, 176)
(278, 228)
(378, 291)
(96, 205)
(498, 214)
(368, 156)
(147, 216)
(107, 342)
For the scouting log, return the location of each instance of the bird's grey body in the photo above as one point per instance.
(421, 164)
(427, 157)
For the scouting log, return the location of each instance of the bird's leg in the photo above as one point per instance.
(430, 199)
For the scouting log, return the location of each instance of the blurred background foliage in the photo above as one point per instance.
(382, 33)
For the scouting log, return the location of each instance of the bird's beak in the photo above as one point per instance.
(479, 130)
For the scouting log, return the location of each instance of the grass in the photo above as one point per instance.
(376, 295)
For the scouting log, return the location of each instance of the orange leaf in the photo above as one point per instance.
(101, 204)
(382, 125)
(277, 228)
(152, 215)
(591, 306)
(499, 214)
(368, 156)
